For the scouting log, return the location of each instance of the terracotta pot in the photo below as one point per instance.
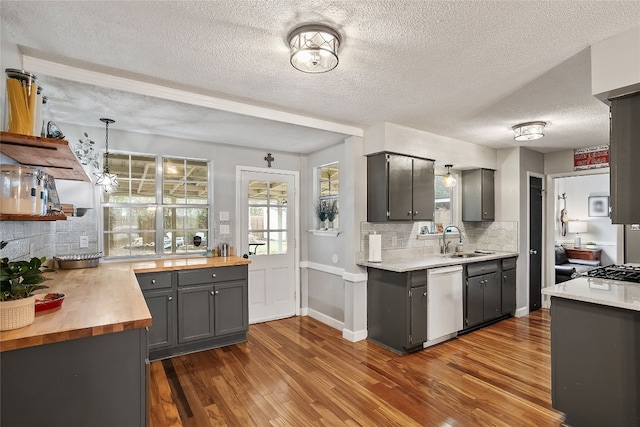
(17, 313)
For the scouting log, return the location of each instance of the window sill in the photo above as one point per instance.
(433, 236)
(326, 233)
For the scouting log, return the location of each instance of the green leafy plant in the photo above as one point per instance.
(591, 243)
(321, 212)
(19, 279)
(331, 208)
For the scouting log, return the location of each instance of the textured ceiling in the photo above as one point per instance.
(465, 69)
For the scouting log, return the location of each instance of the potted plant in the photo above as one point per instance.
(18, 281)
(322, 214)
(591, 245)
(332, 210)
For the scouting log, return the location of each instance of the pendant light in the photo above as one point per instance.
(448, 180)
(106, 179)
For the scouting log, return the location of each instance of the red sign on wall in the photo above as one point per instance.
(591, 158)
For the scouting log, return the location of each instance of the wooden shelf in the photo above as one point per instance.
(53, 155)
(17, 217)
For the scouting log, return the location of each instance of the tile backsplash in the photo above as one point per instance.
(400, 238)
(27, 239)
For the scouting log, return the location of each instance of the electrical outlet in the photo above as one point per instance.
(84, 241)
(394, 241)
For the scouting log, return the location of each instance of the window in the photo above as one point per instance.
(329, 177)
(268, 202)
(443, 209)
(161, 206)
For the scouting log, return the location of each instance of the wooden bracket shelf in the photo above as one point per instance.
(18, 217)
(54, 156)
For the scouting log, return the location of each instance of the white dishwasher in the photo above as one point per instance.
(444, 301)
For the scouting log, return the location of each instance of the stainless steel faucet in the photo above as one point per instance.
(445, 244)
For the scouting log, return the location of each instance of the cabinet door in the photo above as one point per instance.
(492, 300)
(474, 301)
(231, 314)
(162, 306)
(423, 190)
(418, 320)
(195, 313)
(508, 291)
(488, 195)
(400, 181)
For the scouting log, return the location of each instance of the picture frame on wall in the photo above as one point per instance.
(599, 206)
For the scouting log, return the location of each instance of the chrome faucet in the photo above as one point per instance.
(445, 244)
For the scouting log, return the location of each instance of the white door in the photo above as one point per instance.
(268, 236)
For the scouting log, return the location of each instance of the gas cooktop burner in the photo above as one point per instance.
(626, 273)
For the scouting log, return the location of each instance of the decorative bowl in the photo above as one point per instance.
(48, 301)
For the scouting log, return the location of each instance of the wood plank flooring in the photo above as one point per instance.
(300, 372)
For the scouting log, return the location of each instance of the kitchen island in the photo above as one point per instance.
(595, 351)
(86, 362)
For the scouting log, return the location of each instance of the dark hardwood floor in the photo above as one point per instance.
(300, 372)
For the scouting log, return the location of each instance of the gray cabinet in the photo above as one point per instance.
(195, 313)
(159, 295)
(162, 306)
(509, 286)
(624, 157)
(483, 289)
(478, 195)
(397, 309)
(399, 188)
(196, 309)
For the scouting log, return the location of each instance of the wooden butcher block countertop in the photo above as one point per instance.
(98, 301)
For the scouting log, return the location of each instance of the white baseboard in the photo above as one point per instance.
(336, 324)
(523, 311)
(304, 311)
(354, 336)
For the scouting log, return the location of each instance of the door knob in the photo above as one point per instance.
(533, 252)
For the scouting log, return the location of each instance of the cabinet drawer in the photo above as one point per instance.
(211, 275)
(484, 267)
(149, 281)
(508, 263)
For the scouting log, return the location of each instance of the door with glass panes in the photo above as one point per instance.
(267, 224)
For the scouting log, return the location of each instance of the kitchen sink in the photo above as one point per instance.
(464, 255)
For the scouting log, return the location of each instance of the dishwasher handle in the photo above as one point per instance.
(444, 270)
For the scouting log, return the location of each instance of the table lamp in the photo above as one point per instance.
(577, 227)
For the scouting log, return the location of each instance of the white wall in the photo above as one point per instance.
(600, 230)
(615, 65)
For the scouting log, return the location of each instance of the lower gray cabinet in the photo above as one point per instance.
(509, 286)
(490, 291)
(195, 313)
(196, 309)
(162, 306)
(483, 293)
(397, 309)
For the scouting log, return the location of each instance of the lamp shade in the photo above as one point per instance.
(578, 227)
(528, 131)
(314, 48)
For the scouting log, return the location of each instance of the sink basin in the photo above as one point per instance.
(464, 255)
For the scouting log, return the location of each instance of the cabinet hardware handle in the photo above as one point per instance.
(216, 292)
(425, 294)
(415, 213)
(212, 293)
(213, 275)
(533, 252)
(409, 213)
(153, 281)
(170, 298)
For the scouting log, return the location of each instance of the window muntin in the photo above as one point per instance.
(131, 227)
(268, 217)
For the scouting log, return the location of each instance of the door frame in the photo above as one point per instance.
(296, 220)
(543, 246)
(549, 259)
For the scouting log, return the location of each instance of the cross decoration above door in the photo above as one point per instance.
(269, 158)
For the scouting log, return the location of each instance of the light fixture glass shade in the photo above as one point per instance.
(448, 180)
(529, 131)
(314, 48)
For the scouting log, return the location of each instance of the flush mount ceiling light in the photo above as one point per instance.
(106, 179)
(448, 180)
(529, 131)
(314, 48)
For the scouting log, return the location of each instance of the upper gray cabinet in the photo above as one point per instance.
(399, 188)
(624, 159)
(478, 195)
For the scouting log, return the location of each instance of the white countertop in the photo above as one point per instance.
(412, 263)
(613, 293)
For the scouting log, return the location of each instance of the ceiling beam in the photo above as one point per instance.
(61, 71)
